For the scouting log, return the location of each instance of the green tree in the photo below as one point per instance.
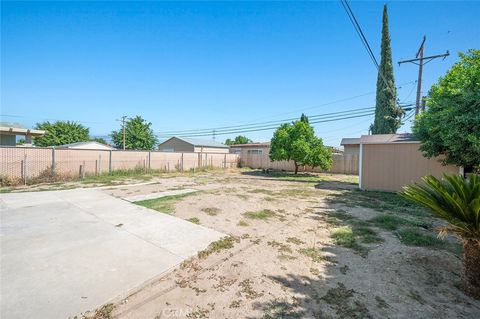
(451, 124)
(297, 142)
(61, 132)
(138, 135)
(457, 201)
(100, 140)
(387, 113)
(240, 139)
(304, 118)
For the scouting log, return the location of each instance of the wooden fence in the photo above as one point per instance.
(30, 162)
(342, 163)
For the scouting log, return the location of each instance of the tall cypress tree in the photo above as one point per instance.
(387, 113)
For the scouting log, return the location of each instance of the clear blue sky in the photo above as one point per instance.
(207, 64)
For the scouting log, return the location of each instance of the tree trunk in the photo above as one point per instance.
(471, 271)
(296, 167)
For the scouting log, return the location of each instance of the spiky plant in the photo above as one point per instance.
(457, 201)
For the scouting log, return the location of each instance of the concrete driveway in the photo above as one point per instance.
(65, 252)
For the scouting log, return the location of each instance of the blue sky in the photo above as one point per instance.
(196, 65)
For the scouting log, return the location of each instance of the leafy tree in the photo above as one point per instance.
(304, 118)
(238, 140)
(387, 113)
(61, 132)
(100, 140)
(297, 142)
(451, 124)
(457, 201)
(138, 135)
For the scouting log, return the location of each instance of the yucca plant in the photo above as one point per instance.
(457, 201)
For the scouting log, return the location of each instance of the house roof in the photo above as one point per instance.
(86, 145)
(264, 144)
(20, 131)
(198, 142)
(350, 141)
(388, 138)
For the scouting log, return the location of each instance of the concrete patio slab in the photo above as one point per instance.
(65, 252)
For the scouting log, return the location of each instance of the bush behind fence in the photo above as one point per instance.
(25, 163)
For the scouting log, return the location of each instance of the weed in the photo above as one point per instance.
(261, 214)
(388, 222)
(216, 246)
(340, 299)
(282, 309)
(104, 312)
(282, 248)
(262, 191)
(212, 211)
(255, 241)
(247, 289)
(242, 223)
(314, 254)
(381, 303)
(315, 271)
(416, 296)
(235, 304)
(194, 220)
(345, 237)
(413, 237)
(295, 240)
(164, 204)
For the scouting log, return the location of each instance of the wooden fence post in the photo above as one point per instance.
(110, 163)
(181, 165)
(53, 160)
(96, 167)
(149, 160)
(225, 161)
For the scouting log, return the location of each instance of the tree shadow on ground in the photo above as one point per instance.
(323, 182)
(369, 274)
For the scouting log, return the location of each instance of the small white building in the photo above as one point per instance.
(186, 144)
(89, 145)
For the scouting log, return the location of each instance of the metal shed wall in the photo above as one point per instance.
(389, 167)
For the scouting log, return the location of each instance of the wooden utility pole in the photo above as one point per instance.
(124, 118)
(420, 60)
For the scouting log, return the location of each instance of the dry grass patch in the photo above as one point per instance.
(212, 211)
(260, 214)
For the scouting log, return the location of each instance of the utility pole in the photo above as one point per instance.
(420, 60)
(124, 118)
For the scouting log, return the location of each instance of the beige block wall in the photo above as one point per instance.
(68, 161)
(342, 164)
(389, 167)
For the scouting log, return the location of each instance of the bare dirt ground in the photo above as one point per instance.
(302, 247)
(308, 246)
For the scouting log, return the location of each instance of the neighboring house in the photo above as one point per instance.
(390, 161)
(247, 150)
(90, 145)
(351, 145)
(8, 135)
(184, 144)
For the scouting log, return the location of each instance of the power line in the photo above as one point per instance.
(253, 125)
(272, 127)
(364, 40)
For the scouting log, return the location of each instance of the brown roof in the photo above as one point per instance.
(388, 138)
(350, 141)
(264, 144)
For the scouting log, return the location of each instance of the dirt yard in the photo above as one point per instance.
(310, 246)
(307, 246)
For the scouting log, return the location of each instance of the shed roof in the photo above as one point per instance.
(198, 142)
(20, 131)
(350, 141)
(263, 144)
(388, 138)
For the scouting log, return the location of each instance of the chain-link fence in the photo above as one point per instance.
(24, 163)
